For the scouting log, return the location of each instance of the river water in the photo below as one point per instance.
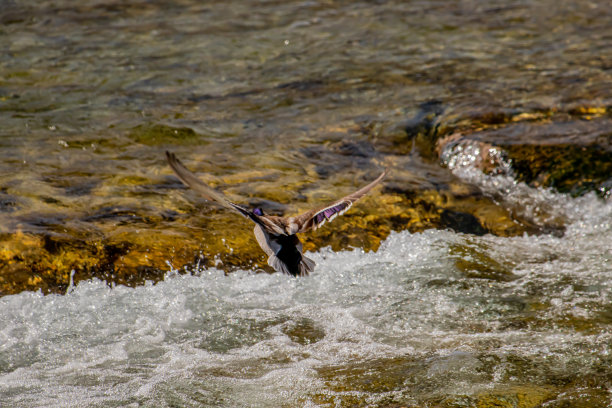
(114, 283)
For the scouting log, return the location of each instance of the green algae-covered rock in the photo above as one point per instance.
(133, 225)
(129, 228)
(158, 134)
(131, 245)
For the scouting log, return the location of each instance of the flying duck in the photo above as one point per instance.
(276, 235)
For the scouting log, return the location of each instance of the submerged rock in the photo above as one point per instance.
(399, 382)
(129, 245)
(133, 225)
(461, 222)
(158, 134)
(140, 225)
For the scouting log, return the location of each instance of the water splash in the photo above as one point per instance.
(205, 338)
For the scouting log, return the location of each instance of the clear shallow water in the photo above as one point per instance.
(431, 318)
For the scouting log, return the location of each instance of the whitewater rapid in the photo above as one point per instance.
(205, 338)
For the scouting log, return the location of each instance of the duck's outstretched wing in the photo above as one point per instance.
(314, 219)
(270, 223)
(198, 185)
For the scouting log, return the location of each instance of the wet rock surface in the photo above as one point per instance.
(571, 155)
(153, 220)
(128, 228)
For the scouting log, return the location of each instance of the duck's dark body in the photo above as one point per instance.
(289, 253)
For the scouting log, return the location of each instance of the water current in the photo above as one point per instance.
(403, 325)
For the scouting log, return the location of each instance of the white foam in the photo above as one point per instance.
(212, 339)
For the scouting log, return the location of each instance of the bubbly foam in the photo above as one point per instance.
(248, 339)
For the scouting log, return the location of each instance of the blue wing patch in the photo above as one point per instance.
(329, 213)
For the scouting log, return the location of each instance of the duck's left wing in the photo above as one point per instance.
(189, 179)
(314, 219)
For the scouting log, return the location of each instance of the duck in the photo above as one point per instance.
(276, 235)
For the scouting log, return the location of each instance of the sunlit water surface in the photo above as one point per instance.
(407, 324)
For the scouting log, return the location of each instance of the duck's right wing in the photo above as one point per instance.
(314, 219)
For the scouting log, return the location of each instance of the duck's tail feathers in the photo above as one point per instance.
(278, 265)
(307, 265)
